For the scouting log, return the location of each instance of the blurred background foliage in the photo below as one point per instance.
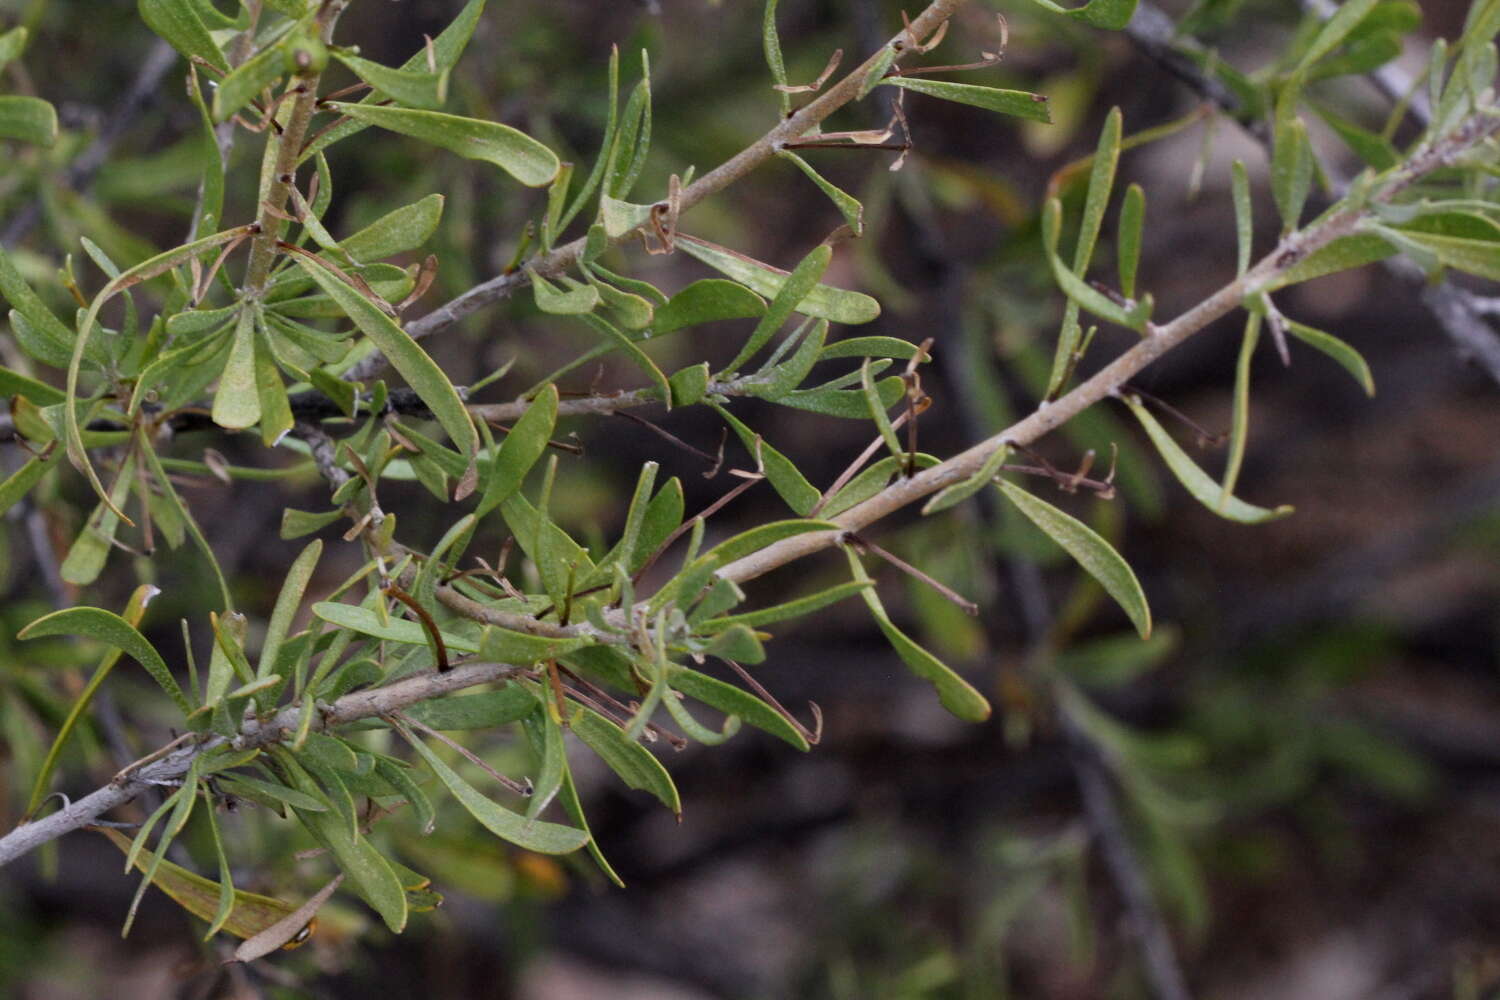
(1305, 757)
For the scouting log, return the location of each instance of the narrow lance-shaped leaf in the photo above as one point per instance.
(877, 411)
(1291, 170)
(1239, 428)
(533, 835)
(1244, 221)
(771, 42)
(635, 765)
(404, 354)
(179, 22)
(249, 78)
(237, 401)
(733, 701)
(959, 492)
(404, 229)
(1017, 103)
(1132, 221)
(1101, 183)
(848, 206)
(1076, 288)
(520, 450)
(96, 539)
(957, 695)
(513, 151)
(1198, 483)
(276, 418)
(1336, 349)
(786, 479)
(1090, 550)
(825, 302)
(20, 482)
(108, 627)
(412, 88)
(798, 286)
(287, 604)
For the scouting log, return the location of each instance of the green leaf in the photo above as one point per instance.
(488, 710)
(545, 735)
(368, 622)
(849, 404)
(734, 702)
(91, 549)
(1111, 15)
(29, 119)
(574, 808)
(296, 523)
(1291, 170)
(959, 492)
(576, 299)
(1076, 289)
(833, 304)
(12, 44)
(271, 794)
(1239, 427)
(707, 301)
(1198, 482)
(797, 287)
(877, 411)
(108, 627)
(522, 447)
(1479, 257)
(1336, 349)
(248, 79)
(689, 384)
(869, 347)
(771, 42)
(533, 835)
(1090, 551)
(447, 47)
(237, 400)
(503, 645)
(1132, 220)
(1018, 103)
(513, 151)
(848, 206)
(791, 609)
(179, 22)
(20, 482)
(275, 409)
(1342, 254)
(789, 374)
(30, 306)
(404, 354)
(635, 765)
(1244, 220)
(16, 384)
(416, 89)
(788, 482)
(288, 602)
(957, 695)
(396, 232)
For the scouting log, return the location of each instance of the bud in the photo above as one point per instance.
(306, 56)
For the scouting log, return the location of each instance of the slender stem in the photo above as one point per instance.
(288, 145)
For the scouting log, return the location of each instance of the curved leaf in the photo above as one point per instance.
(1091, 552)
